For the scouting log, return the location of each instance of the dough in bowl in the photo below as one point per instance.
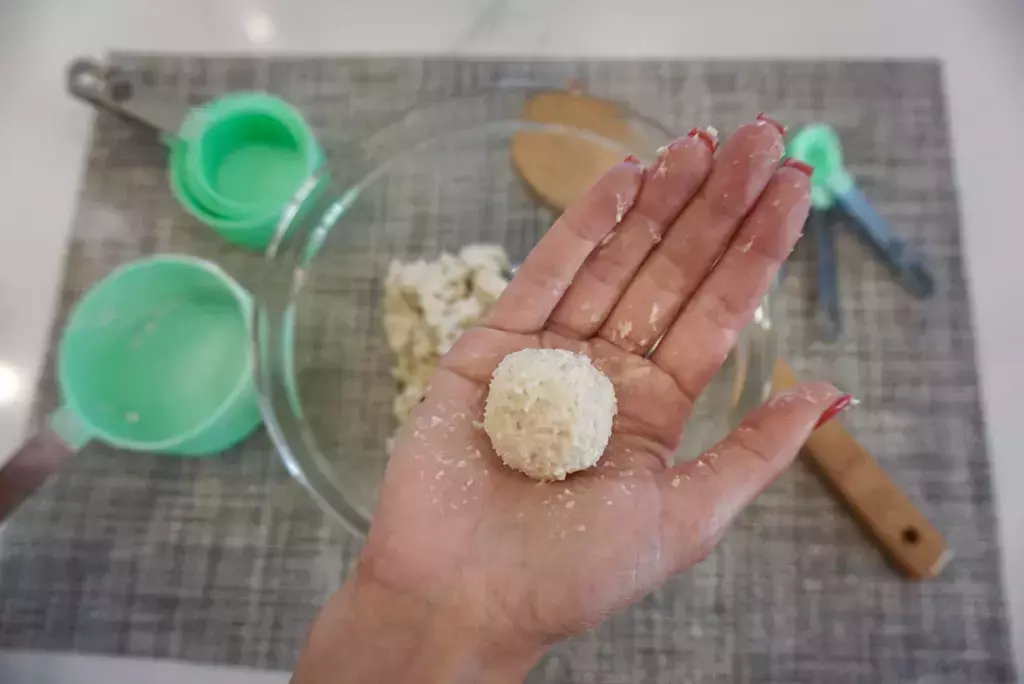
(549, 412)
(428, 304)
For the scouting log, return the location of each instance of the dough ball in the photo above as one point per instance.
(549, 412)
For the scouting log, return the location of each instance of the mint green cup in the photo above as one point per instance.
(235, 162)
(245, 154)
(253, 232)
(155, 358)
(238, 161)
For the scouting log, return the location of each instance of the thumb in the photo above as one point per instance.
(701, 497)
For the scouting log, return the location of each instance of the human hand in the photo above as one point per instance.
(472, 569)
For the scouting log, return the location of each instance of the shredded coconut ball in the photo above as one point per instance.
(549, 412)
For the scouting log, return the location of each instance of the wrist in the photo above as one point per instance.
(371, 633)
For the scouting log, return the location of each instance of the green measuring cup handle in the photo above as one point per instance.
(39, 458)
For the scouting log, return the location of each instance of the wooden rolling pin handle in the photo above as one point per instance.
(902, 530)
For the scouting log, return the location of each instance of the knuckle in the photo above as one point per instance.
(581, 222)
(728, 202)
(724, 311)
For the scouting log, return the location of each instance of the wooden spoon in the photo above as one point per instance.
(910, 539)
(560, 167)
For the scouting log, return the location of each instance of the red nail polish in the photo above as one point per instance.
(837, 407)
(705, 137)
(633, 159)
(767, 119)
(799, 166)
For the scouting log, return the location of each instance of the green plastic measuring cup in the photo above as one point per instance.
(245, 153)
(235, 162)
(154, 358)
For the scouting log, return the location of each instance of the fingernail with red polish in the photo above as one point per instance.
(633, 159)
(675, 144)
(838, 406)
(705, 136)
(767, 119)
(799, 165)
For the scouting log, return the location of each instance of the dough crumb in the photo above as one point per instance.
(621, 206)
(549, 412)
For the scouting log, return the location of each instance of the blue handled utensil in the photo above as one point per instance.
(822, 231)
(835, 197)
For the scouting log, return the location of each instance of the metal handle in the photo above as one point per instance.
(108, 88)
(30, 467)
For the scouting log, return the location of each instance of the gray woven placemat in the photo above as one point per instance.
(226, 560)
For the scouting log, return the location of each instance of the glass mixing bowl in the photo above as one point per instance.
(437, 178)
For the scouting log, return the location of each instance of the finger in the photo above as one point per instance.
(701, 338)
(701, 497)
(667, 186)
(550, 267)
(675, 269)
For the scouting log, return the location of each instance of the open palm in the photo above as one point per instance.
(681, 251)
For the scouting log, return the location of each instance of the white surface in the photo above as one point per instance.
(42, 135)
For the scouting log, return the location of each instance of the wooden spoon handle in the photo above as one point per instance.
(903, 532)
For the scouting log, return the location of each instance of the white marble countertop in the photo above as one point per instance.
(43, 134)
